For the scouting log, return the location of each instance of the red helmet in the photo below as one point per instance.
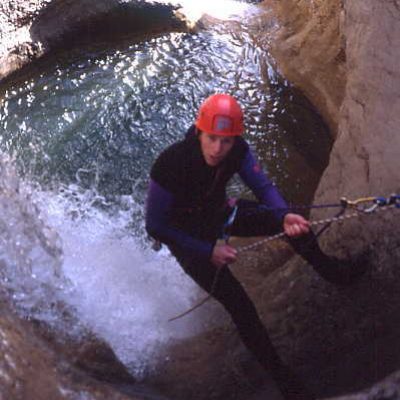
(220, 114)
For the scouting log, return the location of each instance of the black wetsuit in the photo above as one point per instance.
(186, 208)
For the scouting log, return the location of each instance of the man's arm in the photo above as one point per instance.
(267, 193)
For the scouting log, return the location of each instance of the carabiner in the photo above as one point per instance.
(381, 201)
(228, 224)
(395, 199)
(357, 204)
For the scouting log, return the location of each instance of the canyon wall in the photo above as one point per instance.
(311, 53)
(344, 56)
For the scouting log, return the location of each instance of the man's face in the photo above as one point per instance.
(215, 148)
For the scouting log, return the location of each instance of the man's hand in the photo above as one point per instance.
(223, 254)
(295, 225)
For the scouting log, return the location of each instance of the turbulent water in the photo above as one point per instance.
(78, 139)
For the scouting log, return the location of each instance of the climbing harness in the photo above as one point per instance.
(362, 206)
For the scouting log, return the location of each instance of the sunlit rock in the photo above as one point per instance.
(310, 49)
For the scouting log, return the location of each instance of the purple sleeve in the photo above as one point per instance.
(265, 191)
(158, 206)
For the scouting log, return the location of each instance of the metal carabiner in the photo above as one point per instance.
(228, 224)
(357, 204)
(378, 202)
(395, 199)
(370, 209)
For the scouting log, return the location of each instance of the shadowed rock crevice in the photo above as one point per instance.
(28, 31)
(71, 23)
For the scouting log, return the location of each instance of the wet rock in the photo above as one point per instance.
(86, 352)
(30, 29)
(29, 369)
(215, 364)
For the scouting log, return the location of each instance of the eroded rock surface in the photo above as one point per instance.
(310, 50)
(344, 56)
(30, 29)
(365, 162)
(29, 369)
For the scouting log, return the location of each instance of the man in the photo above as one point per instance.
(187, 207)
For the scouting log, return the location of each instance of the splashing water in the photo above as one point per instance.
(31, 251)
(123, 291)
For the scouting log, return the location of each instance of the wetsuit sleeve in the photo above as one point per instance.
(158, 208)
(265, 191)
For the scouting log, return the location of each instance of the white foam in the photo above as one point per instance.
(124, 292)
(73, 245)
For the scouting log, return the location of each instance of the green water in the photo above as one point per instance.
(98, 116)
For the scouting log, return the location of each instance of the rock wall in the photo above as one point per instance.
(31, 28)
(310, 49)
(346, 52)
(29, 369)
(344, 56)
(364, 160)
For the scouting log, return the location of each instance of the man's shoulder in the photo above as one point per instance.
(168, 167)
(239, 152)
(171, 155)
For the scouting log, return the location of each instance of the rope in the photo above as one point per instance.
(201, 302)
(379, 204)
(314, 223)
